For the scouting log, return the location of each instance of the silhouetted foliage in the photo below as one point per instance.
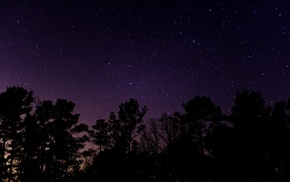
(117, 141)
(187, 156)
(37, 142)
(44, 141)
(248, 115)
(101, 135)
(15, 105)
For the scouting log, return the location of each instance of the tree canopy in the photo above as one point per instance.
(45, 141)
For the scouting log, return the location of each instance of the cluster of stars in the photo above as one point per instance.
(99, 54)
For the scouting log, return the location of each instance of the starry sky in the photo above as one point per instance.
(99, 54)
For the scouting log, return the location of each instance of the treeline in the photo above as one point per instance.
(44, 141)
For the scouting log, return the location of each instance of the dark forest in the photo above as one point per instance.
(45, 141)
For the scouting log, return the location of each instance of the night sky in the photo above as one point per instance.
(100, 54)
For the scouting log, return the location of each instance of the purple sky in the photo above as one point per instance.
(100, 54)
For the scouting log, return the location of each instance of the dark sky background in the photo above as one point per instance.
(162, 53)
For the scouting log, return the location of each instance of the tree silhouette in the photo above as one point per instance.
(38, 143)
(15, 105)
(201, 115)
(152, 144)
(44, 141)
(100, 134)
(185, 157)
(278, 138)
(151, 140)
(248, 116)
(62, 152)
(118, 136)
(130, 116)
(31, 161)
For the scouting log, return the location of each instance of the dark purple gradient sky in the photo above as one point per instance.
(100, 54)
